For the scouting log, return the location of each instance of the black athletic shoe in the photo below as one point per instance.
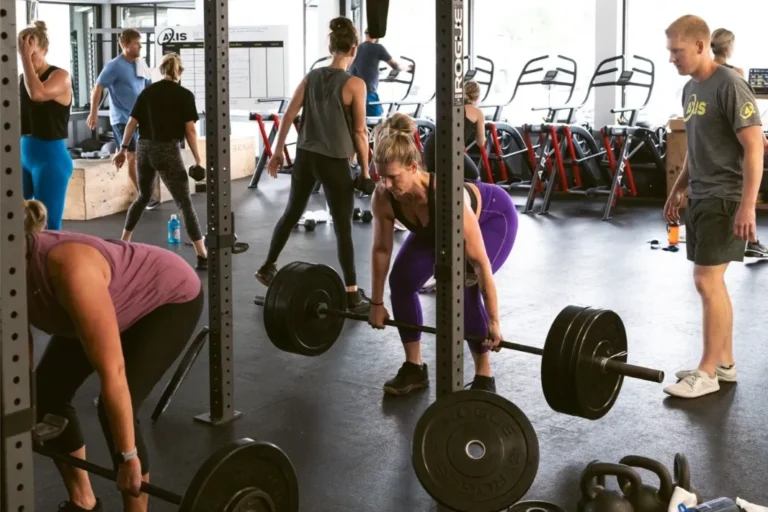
(756, 250)
(484, 383)
(409, 377)
(68, 506)
(153, 204)
(202, 263)
(266, 273)
(358, 302)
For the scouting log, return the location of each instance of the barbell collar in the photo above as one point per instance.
(152, 490)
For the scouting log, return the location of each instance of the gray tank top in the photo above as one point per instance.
(326, 124)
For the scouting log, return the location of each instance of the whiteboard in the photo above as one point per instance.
(258, 63)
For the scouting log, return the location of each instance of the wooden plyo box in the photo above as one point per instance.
(97, 189)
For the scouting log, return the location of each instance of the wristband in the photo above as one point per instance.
(129, 455)
(377, 303)
(125, 146)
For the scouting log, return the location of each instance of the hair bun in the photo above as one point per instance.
(341, 23)
(40, 24)
(400, 124)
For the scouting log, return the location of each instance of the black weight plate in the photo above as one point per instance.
(274, 320)
(234, 472)
(308, 333)
(603, 336)
(535, 506)
(445, 457)
(557, 380)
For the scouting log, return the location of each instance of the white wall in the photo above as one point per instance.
(608, 14)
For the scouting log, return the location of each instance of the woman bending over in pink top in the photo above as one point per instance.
(124, 310)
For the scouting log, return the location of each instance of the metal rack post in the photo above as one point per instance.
(449, 242)
(221, 233)
(17, 414)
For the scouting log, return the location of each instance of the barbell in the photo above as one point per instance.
(243, 475)
(583, 360)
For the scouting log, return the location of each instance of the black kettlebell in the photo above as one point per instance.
(683, 475)
(650, 498)
(596, 498)
(197, 172)
(367, 216)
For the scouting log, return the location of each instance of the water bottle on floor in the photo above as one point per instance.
(174, 230)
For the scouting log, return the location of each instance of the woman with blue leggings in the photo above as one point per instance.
(45, 98)
(406, 193)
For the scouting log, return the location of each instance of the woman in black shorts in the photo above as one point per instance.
(165, 113)
(332, 130)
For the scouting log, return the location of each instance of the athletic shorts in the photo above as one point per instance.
(709, 237)
(373, 110)
(118, 130)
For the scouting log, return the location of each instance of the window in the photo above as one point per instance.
(645, 36)
(512, 33)
(57, 19)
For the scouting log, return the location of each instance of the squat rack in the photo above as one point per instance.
(17, 416)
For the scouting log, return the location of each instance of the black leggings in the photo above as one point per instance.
(163, 158)
(150, 346)
(336, 178)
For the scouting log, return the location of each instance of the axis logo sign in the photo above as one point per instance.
(170, 35)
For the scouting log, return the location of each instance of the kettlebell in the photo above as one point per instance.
(682, 472)
(596, 498)
(650, 499)
(197, 172)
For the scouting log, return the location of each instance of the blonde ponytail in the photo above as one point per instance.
(35, 216)
(393, 142)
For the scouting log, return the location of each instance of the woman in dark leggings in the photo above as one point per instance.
(332, 130)
(474, 131)
(407, 193)
(165, 113)
(120, 309)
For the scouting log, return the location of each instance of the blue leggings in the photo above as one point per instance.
(415, 262)
(47, 168)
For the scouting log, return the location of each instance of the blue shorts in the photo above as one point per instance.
(373, 110)
(118, 130)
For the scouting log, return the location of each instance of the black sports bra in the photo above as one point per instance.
(429, 229)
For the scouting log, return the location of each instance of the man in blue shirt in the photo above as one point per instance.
(124, 77)
(366, 66)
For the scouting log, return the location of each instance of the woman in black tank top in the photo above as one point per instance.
(332, 130)
(45, 97)
(474, 132)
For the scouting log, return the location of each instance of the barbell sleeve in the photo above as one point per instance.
(90, 467)
(633, 371)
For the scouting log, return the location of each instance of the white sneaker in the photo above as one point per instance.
(723, 374)
(694, 385)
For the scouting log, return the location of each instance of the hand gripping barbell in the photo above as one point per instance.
(583, 360)
(242, 475)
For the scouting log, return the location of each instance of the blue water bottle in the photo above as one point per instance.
(174, 230)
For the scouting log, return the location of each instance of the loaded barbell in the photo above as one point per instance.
(242, 475)
(583, 360)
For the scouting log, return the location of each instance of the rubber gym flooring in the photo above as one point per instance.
(351, 446)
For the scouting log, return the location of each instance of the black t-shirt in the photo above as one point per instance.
(162, 110)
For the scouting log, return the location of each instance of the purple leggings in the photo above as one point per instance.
(415, 263)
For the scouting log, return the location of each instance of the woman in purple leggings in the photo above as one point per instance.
(406, 193)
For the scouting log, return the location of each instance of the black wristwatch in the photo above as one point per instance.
(125, 146)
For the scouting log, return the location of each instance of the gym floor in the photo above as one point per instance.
(351, 445)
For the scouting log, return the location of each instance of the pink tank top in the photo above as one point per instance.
(144, 277)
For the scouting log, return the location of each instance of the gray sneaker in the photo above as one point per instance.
(724, 374)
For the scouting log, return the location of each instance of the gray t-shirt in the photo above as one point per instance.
(714, 110)
(366, 63)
